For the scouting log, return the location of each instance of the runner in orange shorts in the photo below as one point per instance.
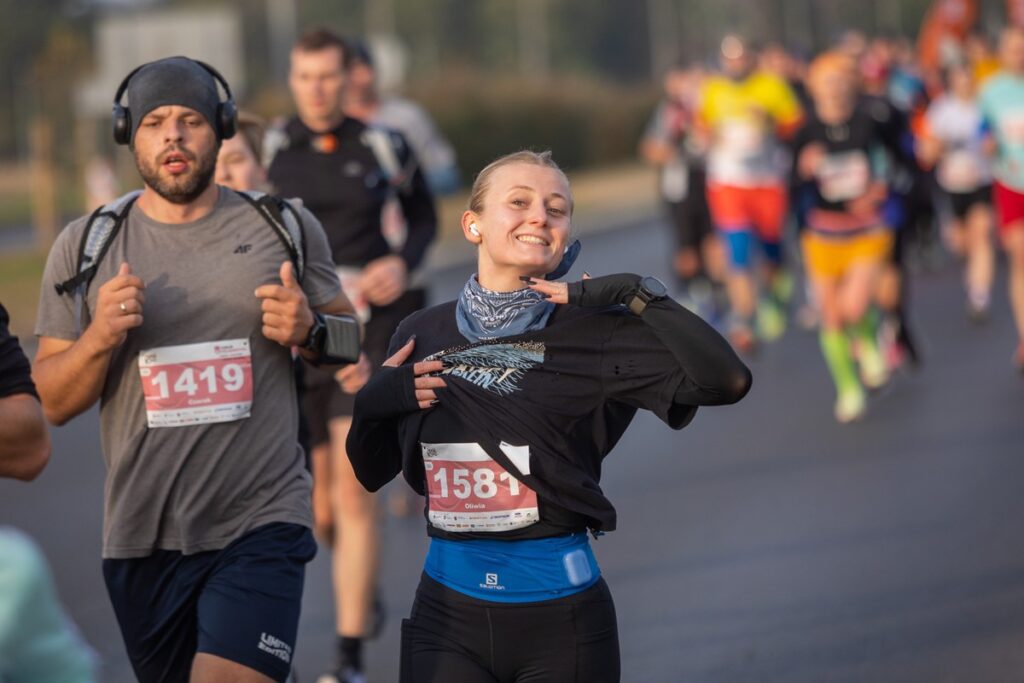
(746, 112)
(845, 241)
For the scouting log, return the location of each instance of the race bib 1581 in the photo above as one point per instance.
(467, 491)
(197, 383)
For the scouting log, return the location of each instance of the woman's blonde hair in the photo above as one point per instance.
(482, 182)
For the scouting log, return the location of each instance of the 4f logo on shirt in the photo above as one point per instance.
(243, 248)
(494, 367)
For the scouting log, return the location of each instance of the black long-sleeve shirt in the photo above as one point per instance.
(544, 407)
(339, 178)
(15, 371)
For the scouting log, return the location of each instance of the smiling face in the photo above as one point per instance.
(176, 152)
(523, 224)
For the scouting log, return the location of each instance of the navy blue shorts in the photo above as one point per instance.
(241, 603)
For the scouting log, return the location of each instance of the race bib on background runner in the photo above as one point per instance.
(468, 491)
(350, 285)
(844, 176)
(741, 138)
(195, 384)
(960, 171)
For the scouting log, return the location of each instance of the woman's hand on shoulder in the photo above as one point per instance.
(424, 384)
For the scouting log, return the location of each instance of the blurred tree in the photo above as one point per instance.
(22, 36)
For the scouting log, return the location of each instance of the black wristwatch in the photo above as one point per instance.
(650, 289)
(317, 335)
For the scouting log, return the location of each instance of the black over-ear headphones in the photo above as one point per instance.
(226, 117)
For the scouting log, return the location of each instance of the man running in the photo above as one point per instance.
(747, 111)
(672, 144)
(364, 101)
(184, 339)
(345, 172)
(1002, 106)
(951, 141)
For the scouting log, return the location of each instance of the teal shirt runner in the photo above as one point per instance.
(1002, 107)
(37, 642)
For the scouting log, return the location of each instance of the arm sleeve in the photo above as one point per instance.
(320, 281)
(670, 361)
(419, 211)
(373, 444)
(15, 371)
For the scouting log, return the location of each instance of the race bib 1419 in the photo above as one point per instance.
(195, 384)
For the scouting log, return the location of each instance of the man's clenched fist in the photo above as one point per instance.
(287, 317)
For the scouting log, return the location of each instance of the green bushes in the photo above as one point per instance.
(584, 123)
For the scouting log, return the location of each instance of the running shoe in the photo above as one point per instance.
(977, 308)
(850, 405)
(874, 371)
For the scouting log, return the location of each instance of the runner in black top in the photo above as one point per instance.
(846, 239)
(500, 408)
(24, 441)
(345, 171)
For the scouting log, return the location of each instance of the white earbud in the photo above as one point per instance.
(473, 230)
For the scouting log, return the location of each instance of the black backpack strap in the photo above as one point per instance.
(286, 222)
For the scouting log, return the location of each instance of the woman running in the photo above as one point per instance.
(952, 141)
(845, 241)
(499, 407)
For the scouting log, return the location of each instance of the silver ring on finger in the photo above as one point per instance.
(124, 309)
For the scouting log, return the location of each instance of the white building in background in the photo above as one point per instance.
(212, 35)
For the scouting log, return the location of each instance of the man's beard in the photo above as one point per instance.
(180, 189)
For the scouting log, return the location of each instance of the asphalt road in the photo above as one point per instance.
(762, 543)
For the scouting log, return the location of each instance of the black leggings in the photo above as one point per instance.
(453, 637)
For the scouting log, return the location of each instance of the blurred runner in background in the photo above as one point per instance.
(239, 160)
(746, 112)
(672, 143)
(908, 197)
(364, 101)
(345, 170)
(1002, 106)
(951, 143)
(846, 240)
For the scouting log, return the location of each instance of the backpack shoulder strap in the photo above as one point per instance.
(286, 222)
(392, 153)
(100, 231)
(274, 140)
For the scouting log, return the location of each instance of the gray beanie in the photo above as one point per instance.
(172, 81)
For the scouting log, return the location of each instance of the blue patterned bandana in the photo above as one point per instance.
(483, 315)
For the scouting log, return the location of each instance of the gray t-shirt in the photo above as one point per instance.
(198, 487)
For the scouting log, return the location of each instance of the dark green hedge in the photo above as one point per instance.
(582, 122)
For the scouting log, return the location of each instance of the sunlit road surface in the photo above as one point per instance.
(762, 543)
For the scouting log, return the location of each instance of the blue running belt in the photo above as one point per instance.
(514, 571)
